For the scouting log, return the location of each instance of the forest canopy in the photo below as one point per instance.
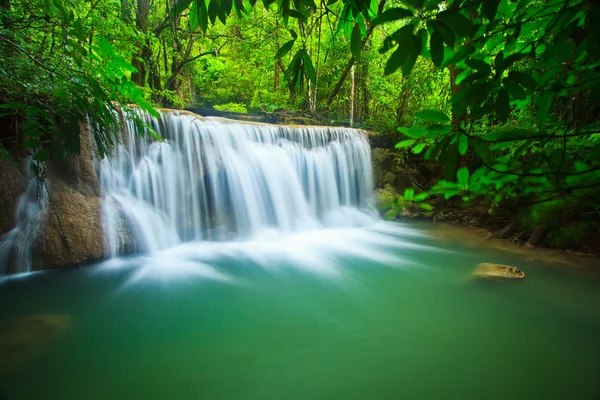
(501, 96)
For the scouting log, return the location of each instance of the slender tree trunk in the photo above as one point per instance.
(314, 111)
(276, 66)
(143, 6)
(352, 96)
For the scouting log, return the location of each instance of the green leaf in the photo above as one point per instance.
(31, 143)
(392, 14)
(458, 23)
(419, 148)
(433, 116)
(202, 12)
(421, 197)
(356, 42)
(414, 132)
(448, 36)
(479, 65)
(283, 50)
(414, 47)
(414, 3)
(396, 60)
(502, 105)
(544, 103)
(179, 7)
(490, 8)
(409, 194)
(514, 89)
(436, 44)
(154, 134)
(463, 143)
(523, 79)
(294, 34)
(463, 176)
(309, 69)
(450, 193)
(405, 143)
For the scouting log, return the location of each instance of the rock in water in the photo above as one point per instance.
(23, 338)
(487, 270)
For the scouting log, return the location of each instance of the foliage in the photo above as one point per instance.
(232, 107)
(501, 94)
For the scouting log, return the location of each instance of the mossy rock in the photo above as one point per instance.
(21, 339)
(497, 271)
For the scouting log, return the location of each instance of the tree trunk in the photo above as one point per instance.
(140, 59)
(352, 95)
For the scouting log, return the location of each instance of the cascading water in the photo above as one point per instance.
(213, 179)
(16, 246)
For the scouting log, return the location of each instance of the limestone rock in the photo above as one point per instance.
(73, 231)
(12, 184)
(487, 270)
(23, 338)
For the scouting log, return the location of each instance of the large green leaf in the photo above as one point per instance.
(392, 14)
(414, 47)
(433, 116)
(419, 148)
(179, 7)
(405, 143)
(514, 89)
(309, 69)
(283, 50)
(479, 65)
(458, 23)
(413, 132)
(490, 8)
(462, 176)
(396, 60)
(436, 45)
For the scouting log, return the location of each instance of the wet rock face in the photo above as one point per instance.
(388, 173)
(487, 270)
(12, 184)
(23, 338)
(72, 233)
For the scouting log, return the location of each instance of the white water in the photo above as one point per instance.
(17, 245)
(213, 179)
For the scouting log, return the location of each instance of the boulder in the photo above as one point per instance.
(497, 271)
(21, 339)
(72, 233)
(12, 184)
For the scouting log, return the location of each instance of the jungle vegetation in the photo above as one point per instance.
(500, 96)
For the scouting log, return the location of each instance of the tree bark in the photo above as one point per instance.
(144, 54)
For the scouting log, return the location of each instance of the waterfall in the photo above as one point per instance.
(213, 179)
(17, 245)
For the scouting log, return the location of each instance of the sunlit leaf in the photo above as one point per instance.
(433, 116)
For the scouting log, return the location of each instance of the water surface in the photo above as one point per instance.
(333, 314)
